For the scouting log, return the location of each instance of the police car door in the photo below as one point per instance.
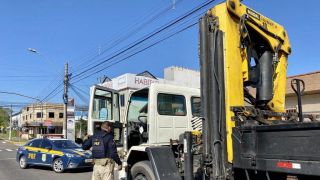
(32, 151)
(44, 155)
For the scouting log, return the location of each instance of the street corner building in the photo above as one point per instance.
(39, 119)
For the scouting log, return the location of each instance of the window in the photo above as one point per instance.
(102, 105)
(39, 114)
(138, 107)
(30, 116)
(196, 106)
(45, 144)
(60, 115)
(51, 114)
(67, 144)
(172, 105)
(35, 143)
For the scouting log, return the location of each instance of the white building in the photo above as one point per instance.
(16, 120)
(172, 75)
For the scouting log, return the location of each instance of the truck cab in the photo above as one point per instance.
(157, 115)
(160, 113)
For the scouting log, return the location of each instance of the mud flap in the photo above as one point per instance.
(163, 163)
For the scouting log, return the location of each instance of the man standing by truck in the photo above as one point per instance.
(104, 152)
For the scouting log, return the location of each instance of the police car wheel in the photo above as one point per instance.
(23, 162)
(57, 165)
(142, 171)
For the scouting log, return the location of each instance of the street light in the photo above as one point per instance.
(33, 50)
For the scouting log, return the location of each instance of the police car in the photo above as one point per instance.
(60, 154)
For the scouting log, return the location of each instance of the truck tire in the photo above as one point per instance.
(142, 171)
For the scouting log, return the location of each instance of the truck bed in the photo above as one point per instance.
(289, 148)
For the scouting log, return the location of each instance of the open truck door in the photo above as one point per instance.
(104, 106)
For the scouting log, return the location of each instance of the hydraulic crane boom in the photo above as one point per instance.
(240, 49)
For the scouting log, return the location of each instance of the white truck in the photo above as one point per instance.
(155, 116)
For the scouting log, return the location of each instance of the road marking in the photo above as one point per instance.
(8, 149)
(4, 142)
(0, 150)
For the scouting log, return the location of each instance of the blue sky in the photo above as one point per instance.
(76, 31)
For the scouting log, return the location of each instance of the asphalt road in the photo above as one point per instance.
(10, 170)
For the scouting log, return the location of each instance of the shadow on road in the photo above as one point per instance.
(44, 168)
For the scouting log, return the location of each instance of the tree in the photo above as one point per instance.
(4, 119)
(81, 124)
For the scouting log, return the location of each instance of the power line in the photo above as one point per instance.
(82, 98)
(18, 94)
(137, 52)
(52, 92)
(54, 83)
(147, 37)
(81, 90)
(167, 36)
(131, 31)
(131, 47)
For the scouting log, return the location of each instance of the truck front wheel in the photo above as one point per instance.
(142, 171)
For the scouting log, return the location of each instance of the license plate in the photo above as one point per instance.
(88, 160)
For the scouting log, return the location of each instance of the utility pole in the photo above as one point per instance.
(65, 99)
(10, 130)
(81, 124)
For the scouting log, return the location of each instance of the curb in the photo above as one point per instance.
(16, 143)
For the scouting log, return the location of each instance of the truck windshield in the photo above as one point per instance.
(102, 105)
(138, 106)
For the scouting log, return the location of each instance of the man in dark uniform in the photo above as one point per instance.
(104, 152)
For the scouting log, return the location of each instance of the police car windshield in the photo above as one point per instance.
(65, 144)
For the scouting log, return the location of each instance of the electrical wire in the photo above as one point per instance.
(147, 37)
(135, 53)
(82, 98)
(129, 32)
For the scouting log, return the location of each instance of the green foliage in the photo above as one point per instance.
(83, 124)
(4, 119)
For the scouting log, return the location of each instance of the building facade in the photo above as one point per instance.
(16, 120)
(311, 95)
(37, 119)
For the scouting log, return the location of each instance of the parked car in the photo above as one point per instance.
(60, 154)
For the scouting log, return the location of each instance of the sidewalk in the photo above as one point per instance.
(14, 140)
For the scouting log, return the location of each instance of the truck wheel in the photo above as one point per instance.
(142, 171)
